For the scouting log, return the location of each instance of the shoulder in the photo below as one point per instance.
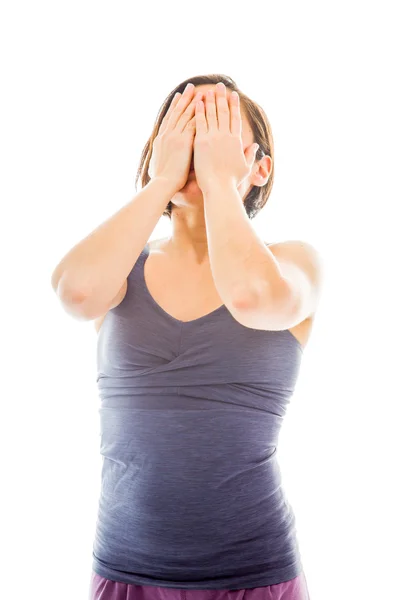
(154, 244)
(302, 266)
(299, 252)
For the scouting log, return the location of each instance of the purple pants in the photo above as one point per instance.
(106, 589)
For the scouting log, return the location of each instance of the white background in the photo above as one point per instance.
(82, 83)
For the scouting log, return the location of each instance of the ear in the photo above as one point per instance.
(250, 155)
(262, 173)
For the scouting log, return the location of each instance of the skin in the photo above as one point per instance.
(189, 237)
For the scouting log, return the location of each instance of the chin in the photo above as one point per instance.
(191, 177)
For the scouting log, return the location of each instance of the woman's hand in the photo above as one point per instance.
(218, 148)
(173, 147)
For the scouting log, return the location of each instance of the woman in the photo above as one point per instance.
(200, 341)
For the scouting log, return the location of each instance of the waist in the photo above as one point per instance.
(177, 524)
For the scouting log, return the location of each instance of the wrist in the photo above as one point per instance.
(218, 185)
(164, 184)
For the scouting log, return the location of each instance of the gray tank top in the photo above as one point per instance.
(190, 413)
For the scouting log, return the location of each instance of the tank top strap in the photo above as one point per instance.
(135, 280)
(136, 274)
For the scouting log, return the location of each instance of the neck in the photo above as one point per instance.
(189, 236)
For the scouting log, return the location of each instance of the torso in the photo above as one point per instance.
(162, 275)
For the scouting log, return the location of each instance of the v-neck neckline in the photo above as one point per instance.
(221, 308)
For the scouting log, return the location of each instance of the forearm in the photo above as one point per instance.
(242, 266)
(97, 266)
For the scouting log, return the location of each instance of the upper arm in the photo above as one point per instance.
(302, 266)
(120, 296)
(114, 303)
(295, 296)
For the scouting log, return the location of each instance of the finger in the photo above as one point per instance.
(171, 107)
(236, 117)
(211, 110)
(223, 111)
(182, 104)
(201, 122)
(191, 126)
(187, 114)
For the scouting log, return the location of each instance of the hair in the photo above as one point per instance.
(257, 196)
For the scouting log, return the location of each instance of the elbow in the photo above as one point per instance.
(73, 301)
(263, 294)
(65, 291)
(249, 297)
